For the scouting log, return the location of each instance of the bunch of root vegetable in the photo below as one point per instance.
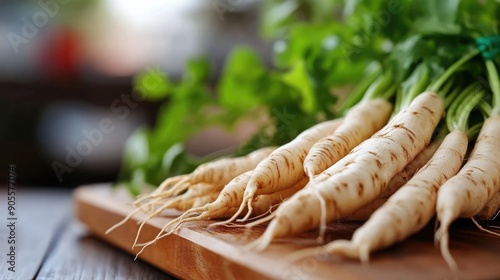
(393, 168)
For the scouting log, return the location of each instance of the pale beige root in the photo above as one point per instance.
(203, 200)
(263, 203)
(226, 204)
(396, 182)
(491, 209)
(219, 172)
(410, 208)
(361, 122)
(229, 198)
(195, 194)
(467, 193)
(284, 167)
(156, 206)
(363, 174)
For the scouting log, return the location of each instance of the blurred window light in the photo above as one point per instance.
(150, 13)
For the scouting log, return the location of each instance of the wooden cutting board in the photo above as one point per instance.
(198, 252)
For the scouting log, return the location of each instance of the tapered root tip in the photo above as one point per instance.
(309, 172)
(171, 186)
(122, 222)
(249, 212)
(195, 214)
(261, 220)
(243, 206)
(445, 252)
(442, 236)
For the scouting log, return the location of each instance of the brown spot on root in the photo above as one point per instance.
(477, 168)
(328, 139)
(360, 189)
(287, 163)
(393, 156)
(429, 110)
(379, 163)
(343, 138)
(468, 194)
(411, 134)
(344, 184)
(435, 187)
(469, 177)
(405, 151)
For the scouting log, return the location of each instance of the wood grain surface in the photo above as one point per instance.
(39, 219)
(198, 252)
(53, 245)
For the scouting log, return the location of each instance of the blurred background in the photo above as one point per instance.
(67, 69)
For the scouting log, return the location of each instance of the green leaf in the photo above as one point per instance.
(197, 70)
(299, 78)
(153, 84)
(240, 86)
(437, 16)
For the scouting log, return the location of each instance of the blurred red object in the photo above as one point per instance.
(60, 56)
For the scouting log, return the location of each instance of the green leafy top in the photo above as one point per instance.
(380, 45)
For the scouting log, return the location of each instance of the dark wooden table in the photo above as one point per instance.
(52, 244)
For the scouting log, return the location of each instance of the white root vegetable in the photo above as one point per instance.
(467, 193)
(362, 175)
(219, 172)
(396, 182)
(227, 204)
(233, 191)
(361, 122)
(409, 209)
(284, 167)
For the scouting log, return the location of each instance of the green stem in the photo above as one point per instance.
(473, 131)
(388, 93)
(454, 117)
(495, 85)
(486, 109)
(379, 87)
(418, 81)
(464, 111)
(437, 84)
(450, 98)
